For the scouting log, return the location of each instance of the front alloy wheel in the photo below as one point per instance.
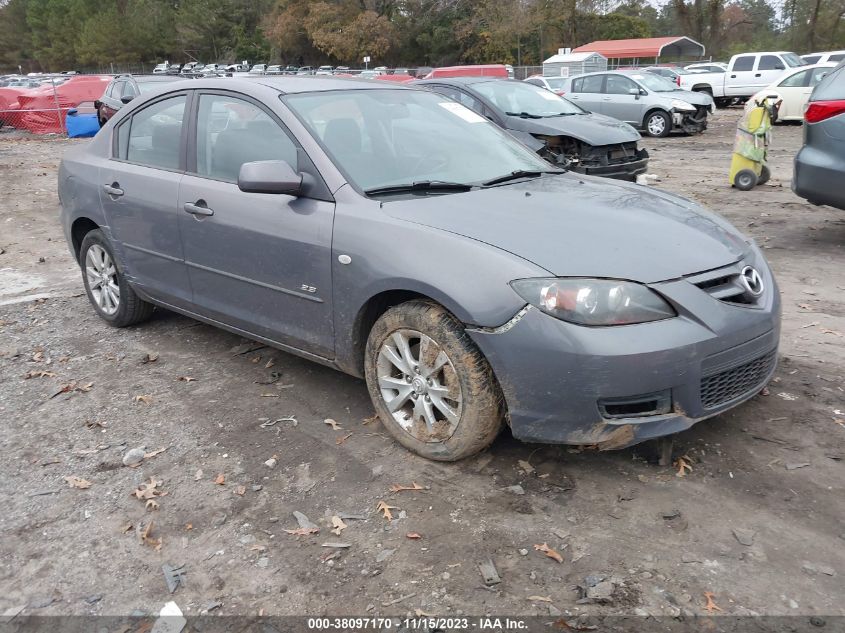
(419, 384)
(433, 390)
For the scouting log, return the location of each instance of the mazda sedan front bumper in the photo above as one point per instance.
(616, 386)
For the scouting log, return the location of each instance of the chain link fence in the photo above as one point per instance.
(45, 104)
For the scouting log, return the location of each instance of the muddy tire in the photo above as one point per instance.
(657, 123)
(433, 390)
(108, 291)
(745, 180)
(765, 175)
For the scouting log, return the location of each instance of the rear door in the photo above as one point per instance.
(139, 190)
(587, 92)
(740, 76)
(257, 262)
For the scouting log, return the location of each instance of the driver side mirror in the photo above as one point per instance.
(126, 99)
(637, 92)
(269, 176)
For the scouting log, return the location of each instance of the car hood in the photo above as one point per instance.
(581, 226)
(593, 129)
(695, 98)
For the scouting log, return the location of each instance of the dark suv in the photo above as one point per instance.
(820, 165)
(124, 88)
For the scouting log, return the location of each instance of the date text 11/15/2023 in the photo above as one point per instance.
(418, 623)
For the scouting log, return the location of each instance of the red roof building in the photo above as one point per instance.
(646, 48)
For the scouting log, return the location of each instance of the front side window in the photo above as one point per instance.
(385, 137)
(811, 59)
(770, 62)
(233, 131)
(619, 85)
(155, 133)
(744, 62)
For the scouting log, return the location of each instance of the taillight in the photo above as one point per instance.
(678, 80)
(820, 110)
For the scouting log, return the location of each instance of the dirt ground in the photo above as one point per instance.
(759, 521)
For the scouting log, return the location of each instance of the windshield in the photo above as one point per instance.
(556, 83)
(516, 97)
(793, 60)
(387, 137)
(654, 82)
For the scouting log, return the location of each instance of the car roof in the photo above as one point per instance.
(294, 85)
(465, 81)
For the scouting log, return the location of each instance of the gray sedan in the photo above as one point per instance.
(396, 235)
(647, 101)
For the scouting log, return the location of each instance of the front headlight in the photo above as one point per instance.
(594, 301)
(682, 105)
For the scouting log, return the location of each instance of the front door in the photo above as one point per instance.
(620, 102)
(258, 262)
(139, 187)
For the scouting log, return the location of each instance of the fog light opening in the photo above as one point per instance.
(659, 403)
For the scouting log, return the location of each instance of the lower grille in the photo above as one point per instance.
(722, 388)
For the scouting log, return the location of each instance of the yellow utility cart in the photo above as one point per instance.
(753, 134)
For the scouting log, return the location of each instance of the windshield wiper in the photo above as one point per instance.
(422, 185)
(519, 173)
(524, 115)
(548, 116)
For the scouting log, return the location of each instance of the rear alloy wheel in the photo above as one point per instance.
(745, 180)
(658, 123)
(433, 389)
(112, 297)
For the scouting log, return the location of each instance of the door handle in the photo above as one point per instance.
(113, 190)
(606, 99)
(757, 75)
(733, 76)
(197, 208)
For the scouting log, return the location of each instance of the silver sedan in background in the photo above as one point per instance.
(645, 100)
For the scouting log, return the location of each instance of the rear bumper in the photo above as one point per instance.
(816, 173)
(558, 379)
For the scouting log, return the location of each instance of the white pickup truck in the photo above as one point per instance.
(746, 75)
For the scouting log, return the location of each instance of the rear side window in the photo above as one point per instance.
(770, 62)
(590, 83)
(155, 134)
(811, 59)
(798, 80)
(836, 58)
(744, 62)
